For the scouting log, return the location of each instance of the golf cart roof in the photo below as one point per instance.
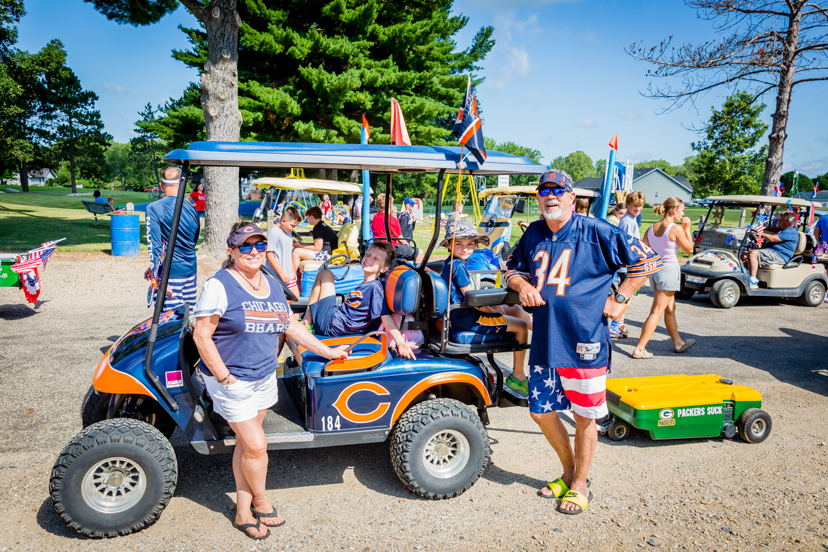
(312, 185)
(757, 199)
(375, 158)
(530, 190)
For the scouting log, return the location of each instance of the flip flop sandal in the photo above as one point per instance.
(644, 355)
(272, 514)
(576, 498)
(517, 385)
(243, 527)
(619, 335)
(558, 488)
(687, 344)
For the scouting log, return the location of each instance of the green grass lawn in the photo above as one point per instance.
(47, 213)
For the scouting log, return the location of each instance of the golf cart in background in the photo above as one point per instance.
(118, 474)
(297, 192)
(716, 266)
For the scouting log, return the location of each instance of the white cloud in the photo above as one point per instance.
(586, 123)
(513, 59)
(629, 114)
(114, 88)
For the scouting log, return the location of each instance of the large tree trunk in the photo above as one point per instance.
(773, 164)
(220, 100)
(24, 176)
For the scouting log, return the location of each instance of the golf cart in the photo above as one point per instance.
(118, 474)
(716, 266)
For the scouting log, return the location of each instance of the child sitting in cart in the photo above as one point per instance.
(483, 320)
(363, 309)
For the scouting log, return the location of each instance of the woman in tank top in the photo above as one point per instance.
(240, 316)
(665, 237)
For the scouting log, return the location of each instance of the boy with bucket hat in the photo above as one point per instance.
(461, 240)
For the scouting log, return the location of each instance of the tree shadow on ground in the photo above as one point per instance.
(19, 311)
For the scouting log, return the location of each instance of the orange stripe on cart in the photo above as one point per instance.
(109, 380)
(452, 377)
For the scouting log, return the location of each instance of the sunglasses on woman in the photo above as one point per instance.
(246, 248)
(556, 191)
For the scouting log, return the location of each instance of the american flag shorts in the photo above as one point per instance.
(582, 390)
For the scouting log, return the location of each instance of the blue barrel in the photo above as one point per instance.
(126, 235)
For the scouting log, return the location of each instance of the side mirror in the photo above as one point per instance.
(520, 206)
(257, 215)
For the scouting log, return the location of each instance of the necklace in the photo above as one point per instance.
(255, 288)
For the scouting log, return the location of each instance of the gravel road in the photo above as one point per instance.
(708, 494)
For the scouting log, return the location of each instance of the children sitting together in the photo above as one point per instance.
(364, 309)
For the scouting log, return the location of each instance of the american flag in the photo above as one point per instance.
(31, 263)
(760, 227)
(46, 251)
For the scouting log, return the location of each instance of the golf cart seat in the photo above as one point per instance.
(347, 237)
(449, 340)
(801, 247)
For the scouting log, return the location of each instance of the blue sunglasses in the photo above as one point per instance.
(246, 248)
(556, 191)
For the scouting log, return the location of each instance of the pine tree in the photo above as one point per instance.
(76, 125)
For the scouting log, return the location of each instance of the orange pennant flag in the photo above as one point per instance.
(614, 142)
(399, 134)
(366, 127)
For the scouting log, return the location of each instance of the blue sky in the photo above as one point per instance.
(558, 79)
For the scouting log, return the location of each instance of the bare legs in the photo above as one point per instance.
(576, 463)
(323, 286)
(250, 471)
(664, 302)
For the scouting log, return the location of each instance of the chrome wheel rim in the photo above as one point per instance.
(114, 485)
(446, 454)
(758, 427)
(816, 294)
(729, 294)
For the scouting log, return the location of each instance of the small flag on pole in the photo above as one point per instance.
(366, 128)
(468, 128)
(31, 263)
(399, 134)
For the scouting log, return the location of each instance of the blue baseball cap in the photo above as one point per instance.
(409, 201)
(555, 179)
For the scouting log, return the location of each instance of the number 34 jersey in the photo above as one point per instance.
(573, 270)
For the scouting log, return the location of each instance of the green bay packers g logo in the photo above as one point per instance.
(341, 403)
(666, 414)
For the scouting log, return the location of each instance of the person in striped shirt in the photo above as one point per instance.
(181, 286)
(562, 267)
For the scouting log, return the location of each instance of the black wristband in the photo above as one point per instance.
(224, 379)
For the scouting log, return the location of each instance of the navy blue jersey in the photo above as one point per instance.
(573, 270)
(361, 311)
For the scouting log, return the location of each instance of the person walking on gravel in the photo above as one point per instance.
(563, 266)
(182, 283)
(240, 317)
(665, 237)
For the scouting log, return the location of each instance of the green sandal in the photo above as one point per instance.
(558, 488)
(517, 385)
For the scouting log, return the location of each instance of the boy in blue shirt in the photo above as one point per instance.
(462, 240)
(364, 307)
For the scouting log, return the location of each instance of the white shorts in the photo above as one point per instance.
(242, 400)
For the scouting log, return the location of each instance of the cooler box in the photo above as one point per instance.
(7, 277)
(343, 287)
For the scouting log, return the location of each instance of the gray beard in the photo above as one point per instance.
(556, 214)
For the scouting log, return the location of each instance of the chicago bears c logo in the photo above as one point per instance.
(341, 403)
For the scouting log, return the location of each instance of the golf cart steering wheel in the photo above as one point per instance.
(490, 224)
(347, 266)
(354, 344)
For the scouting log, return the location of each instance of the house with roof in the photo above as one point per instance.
(36, 178)
(656, 184)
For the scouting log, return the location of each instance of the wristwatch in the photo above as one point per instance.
(621, 298)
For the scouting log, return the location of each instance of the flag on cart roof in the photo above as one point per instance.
(468, 128)
(366, 128)
(399, 134)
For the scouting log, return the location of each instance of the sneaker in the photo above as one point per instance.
(520, 386)
(754, 281)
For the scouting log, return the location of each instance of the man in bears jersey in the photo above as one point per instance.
(562, 267)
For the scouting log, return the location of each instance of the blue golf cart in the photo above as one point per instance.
(117, 475)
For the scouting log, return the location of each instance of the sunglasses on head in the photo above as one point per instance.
(246, 248)
(555, 190)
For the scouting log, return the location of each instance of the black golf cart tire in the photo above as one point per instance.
(134, 440)
(94, 408)
(806, 298)
(719, 296)
(746, 421)
(412, 433)
(618, 430)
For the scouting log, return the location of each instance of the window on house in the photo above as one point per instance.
(656, 194)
